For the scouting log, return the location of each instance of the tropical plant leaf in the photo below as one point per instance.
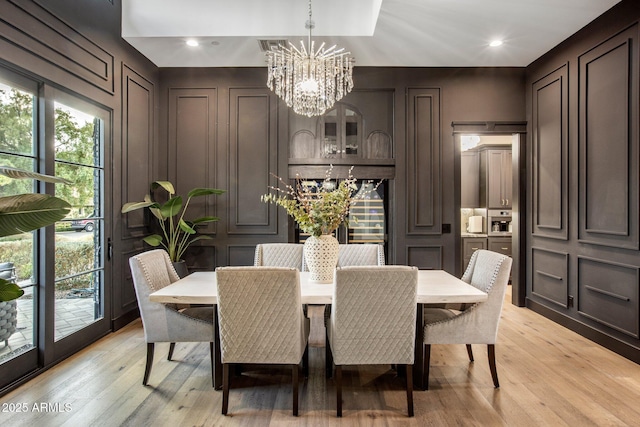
(164, 184)
(205, 219)
(132, 206)
(9, 290)
(200, 237)
(27, 212)
(23, 174)
(186, 227)
(172, 207)
(153, 240)
(196, 192)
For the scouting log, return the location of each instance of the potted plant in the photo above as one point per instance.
(319, 209)
(22, 213)
(178, 232)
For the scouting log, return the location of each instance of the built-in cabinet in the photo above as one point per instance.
(469, 246)
(496, 175)
(501, 245)
(470, 179)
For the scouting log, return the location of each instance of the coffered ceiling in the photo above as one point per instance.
(411, 33)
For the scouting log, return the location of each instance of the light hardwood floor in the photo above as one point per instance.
(549, 376)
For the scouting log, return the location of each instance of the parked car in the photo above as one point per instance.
(83, 224)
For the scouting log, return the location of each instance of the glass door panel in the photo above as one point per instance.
(79, 262)
(17, 253)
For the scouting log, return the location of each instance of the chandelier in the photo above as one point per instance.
(308, 80)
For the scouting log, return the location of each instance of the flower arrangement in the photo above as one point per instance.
(317, 208)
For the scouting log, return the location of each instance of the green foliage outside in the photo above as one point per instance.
(74, 143)
(71, 258)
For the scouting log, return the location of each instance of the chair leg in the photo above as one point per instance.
(339, 390)
(294, 373)
(172, 346)
(410, 390)
(470, 352)
(328, 359)
(491, 352)
(225, 388)
(305, 361)
(425, 373)
(213, 366)
(147, 369)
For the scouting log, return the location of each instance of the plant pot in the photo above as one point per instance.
(181, 268)
(8, 320)
(321, 257)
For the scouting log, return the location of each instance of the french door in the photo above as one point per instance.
(63, 268)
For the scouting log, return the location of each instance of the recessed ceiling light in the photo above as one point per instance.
(192, 43)
(495, 43)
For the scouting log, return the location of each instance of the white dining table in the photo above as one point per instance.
(434, 287)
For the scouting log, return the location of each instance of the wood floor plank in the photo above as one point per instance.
(548, 376)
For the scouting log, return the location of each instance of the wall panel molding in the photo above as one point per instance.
(550, 155)
(423, 159)
(138, 142)
(608, 293)
(192, 139)
(32, 27)
(608, 155)
(253, 157)
(550, 276)
(425, 257)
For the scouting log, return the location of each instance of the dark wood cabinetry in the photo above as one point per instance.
(500, 244)
(469, 246)
(495, 182)
(470, 179)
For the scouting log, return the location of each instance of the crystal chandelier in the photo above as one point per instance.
(310, 81)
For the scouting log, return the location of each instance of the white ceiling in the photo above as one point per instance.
(411, 33)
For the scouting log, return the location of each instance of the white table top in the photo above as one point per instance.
(434, 286)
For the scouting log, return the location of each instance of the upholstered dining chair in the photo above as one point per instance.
(478, 324)
(279, 255)
(351, 255)
(261, 321)
(153, 271)
(373, 321)
(360, 254)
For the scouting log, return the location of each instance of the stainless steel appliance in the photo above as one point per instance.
(499, 222)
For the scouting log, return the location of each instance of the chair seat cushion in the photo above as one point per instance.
(433, 315)
(201, 313)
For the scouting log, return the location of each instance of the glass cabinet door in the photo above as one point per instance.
(341, 129)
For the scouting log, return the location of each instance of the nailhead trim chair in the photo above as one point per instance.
(261, 321)
(153, 271)
(373, 321)
(488, 271)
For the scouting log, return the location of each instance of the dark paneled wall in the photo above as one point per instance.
(79, 49)
(583, 255)
(254, 129)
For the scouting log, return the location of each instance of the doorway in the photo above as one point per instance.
(62, 268)
(490, 205)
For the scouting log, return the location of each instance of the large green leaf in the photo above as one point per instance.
(28, 212)
(153, 240)
(9, 290)
(172, 207)
(205, 219)
(23, 174)
(164, 184)
(132, 206)
(185, 227)
(196, 192)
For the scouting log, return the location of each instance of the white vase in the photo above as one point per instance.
(321, 257)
